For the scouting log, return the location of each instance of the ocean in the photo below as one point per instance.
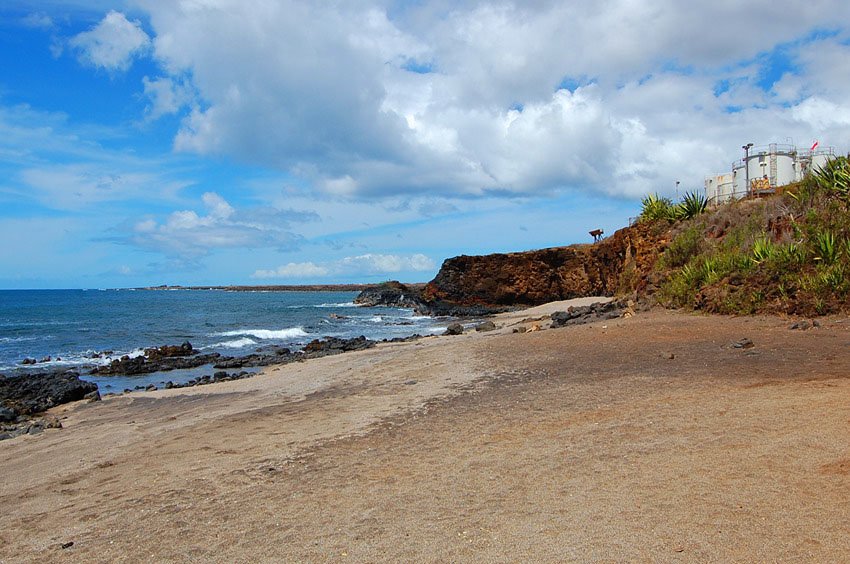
(72, 327)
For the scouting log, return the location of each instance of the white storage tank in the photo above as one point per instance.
(820, 158)
(766, 167)
(719, 188)
(739, 181)
(774, 162)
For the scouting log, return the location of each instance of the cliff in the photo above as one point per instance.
(619, 264)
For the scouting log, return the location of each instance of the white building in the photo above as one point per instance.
(763, 170)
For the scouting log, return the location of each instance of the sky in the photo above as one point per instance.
(195, 142)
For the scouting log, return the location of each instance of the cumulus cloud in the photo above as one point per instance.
(363, 265)
(112, 43)
(497, 98)
(38, 20)
(386, 264)
(293, 270)
(166, 95)
(186, 234)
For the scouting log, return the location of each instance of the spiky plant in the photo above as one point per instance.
(655, 207)
(692, 205)
(763, 249)
(834, 176)
(826, 247)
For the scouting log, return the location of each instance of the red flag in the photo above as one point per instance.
(815, 144)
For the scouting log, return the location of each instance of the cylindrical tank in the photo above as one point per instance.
(819, 160)
(785, 172)
(739, 181)
(776, 162)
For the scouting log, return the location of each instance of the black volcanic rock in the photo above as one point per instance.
(454, 329)
(127, 366)
(34, 393)
(587, 314)
(334, 345)
(394, 294)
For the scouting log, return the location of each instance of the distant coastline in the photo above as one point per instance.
(273, 288)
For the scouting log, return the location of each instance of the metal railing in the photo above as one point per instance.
(717, 200)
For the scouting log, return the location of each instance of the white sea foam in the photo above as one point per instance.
(88, 357)
(344, 304)
(376, 319)
(18, 339)
(291, 333)
(235, 344)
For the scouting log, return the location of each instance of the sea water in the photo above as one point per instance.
(82, 328)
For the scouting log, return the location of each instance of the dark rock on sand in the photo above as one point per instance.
(454, 329)
(335, 345)
(485, 326)
(409, 338)
(7, 415)
(587, 314)
(34, 393)
(158, 362)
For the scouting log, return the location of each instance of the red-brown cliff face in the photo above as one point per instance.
(618, 264)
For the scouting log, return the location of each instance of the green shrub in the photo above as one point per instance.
(692, 205)
(684, 246)
(834, 176)
(826, 247)
(654, 207)
(763, 249)
(791, 254)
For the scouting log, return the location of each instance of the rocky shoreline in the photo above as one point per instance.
(23, 398)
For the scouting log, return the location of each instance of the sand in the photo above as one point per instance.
(649, 438)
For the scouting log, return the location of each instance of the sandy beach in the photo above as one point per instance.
(652, 438)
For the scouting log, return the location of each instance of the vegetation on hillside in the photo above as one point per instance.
(655, 208)
(787, 253)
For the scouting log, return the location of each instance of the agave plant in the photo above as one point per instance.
(654, 207)
(826, 247)
(834, 176)
(790, 254)
(833, 278)
(691, 205)
(763, 249)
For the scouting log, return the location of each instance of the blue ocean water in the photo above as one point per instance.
(73, 326)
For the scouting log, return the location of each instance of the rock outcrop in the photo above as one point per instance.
(393, 293)
(477, 285)
(130, 366)
(588, 314)
(33, 393)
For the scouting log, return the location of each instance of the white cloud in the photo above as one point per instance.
(361, 265)
(166, 95)
(38, 20)
(112, 43)
(186, 234)
(335, 93)
(386, 264)
(293, 270)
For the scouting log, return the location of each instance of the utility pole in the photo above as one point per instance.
(677, 189)
(746, 149)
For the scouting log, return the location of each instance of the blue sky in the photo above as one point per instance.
(278, 142)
